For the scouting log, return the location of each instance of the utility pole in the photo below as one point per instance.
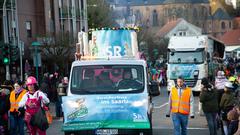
(6, 40)
(85, 16)
(20, 45)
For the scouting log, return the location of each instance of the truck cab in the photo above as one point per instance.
(192, 57)
(108, 95)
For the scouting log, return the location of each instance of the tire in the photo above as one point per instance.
(168, 93)
(67, 133)
(196, 93)
(149, 132)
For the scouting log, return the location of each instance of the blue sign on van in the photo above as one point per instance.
(105, 111)
(115, 43)
(184, 70)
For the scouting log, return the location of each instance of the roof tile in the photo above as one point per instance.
(168, 27)
(220, 14)
(231, 37)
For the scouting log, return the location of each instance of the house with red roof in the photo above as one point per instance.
(231, 40)
(180, 27)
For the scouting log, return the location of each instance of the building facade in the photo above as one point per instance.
(26, 21)
(219, 23)
(154, 14)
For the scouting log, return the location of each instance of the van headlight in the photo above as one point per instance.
(198, 85)
(195, 74)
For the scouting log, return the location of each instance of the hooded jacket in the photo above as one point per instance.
(220, 81)
(209, 99)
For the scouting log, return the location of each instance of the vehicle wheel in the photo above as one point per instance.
(196, 93)
(68, 133)
(168, 93)
(149, 132)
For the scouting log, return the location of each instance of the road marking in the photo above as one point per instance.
(191, 128)
(161, 105)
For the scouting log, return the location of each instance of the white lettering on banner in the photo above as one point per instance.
(120, 101)
(116, 51)
(111, 97)
(104, 102)
(138, 117)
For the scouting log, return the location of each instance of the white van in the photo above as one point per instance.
(108, 96)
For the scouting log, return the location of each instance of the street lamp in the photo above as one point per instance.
(35, 45)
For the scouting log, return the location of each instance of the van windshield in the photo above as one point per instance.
(102, 79)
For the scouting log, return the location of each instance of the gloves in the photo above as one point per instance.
(167, 115)
(192, 117)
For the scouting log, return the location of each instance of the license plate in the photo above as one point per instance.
(106, 132)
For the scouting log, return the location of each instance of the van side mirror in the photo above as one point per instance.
(208, 57)
(154, 89)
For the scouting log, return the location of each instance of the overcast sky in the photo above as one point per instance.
(231, 2)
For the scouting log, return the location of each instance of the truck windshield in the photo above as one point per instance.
(101, 79)
(186, 57)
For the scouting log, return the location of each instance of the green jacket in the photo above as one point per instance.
(209, 99)
(227, 100)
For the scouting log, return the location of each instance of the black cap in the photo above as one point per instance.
(19, 82)
(205, 81)
(180, 77)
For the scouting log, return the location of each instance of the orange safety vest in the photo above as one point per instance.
(180, 104)
(14, 102)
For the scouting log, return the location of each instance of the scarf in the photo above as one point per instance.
(19, 91)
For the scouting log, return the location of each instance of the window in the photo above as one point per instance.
(209, 25)
(29, 29)
(186, 57)
(114, 79)
(179, 12)
(165, 11)
(155, 18)
(223, 25)
(195, 13)
(138, 15)
(182, 33)
(174, 18)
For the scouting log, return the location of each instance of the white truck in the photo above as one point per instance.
(108, 90)
(193, 57)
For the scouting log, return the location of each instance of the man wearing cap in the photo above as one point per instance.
(61, 91)
(180, 105)
(226, 104)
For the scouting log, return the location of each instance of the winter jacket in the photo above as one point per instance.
(227, 100)
(209, 100)
(4, 104)
(220, 82)
(238, 131)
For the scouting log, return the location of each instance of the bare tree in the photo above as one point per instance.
(99, 14)
(156, 46)
(58, 51)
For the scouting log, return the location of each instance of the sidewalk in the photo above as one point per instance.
(56, 127)
(52, 109)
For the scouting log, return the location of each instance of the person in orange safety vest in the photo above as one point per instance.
(17, 114)
(180, 105)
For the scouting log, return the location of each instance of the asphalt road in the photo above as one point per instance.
(161, 124)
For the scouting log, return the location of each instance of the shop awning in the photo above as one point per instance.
(231, 48)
